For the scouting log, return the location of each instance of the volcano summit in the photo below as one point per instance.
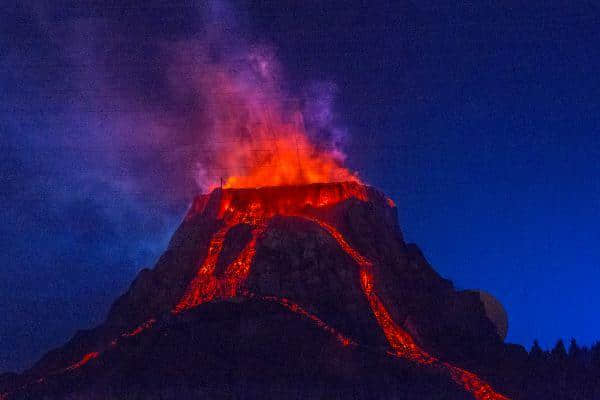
(304, 291)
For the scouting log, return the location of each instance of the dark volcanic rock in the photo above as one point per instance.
(298, 260)
(241, 348)
(245, 350)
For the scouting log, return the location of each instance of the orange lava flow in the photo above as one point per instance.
(94, 354)
(206, 286)
(402, 343)
(256, 207)
(86, 359)
(146, 325)
(298, 309)
(251, 203)
(473, 384)
(239, 269)
(287, 200)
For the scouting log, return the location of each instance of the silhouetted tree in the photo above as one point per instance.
(536, 353)
(559, 352)
(595, 356)
(574, 350)
(558, 371)
(562, 374)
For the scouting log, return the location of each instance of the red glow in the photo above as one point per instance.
(86, 359)
(206, 286)
(198, 206)
(295, 161)
(89, 356)
(255, 207)
(244, 205)
(94, 354)
(287, 200)
(146, 325)
(402, 343)
(296, 308)
(257, 136)
(473, 384)
(399, 339)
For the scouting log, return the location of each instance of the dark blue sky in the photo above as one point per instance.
(480, 120)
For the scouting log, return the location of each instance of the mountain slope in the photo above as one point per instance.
(319, 276)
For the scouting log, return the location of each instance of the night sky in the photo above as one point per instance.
(481, 120)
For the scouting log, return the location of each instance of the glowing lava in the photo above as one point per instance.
(146, 325)
(402, 343)
(256, 207)
(298, 309)
(86, 359)
(206, 286)
(248, 204)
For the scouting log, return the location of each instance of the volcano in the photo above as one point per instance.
(305, 291)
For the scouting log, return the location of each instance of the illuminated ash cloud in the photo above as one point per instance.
(160, 114)
(253, 132)
(176, 112)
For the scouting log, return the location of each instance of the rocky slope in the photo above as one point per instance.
(305, 291)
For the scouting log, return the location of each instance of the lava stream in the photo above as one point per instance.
(94, 354)
(86, 359)
(206, 286)
(258, 211)
(146, 325)
(298, 309)
(402, 343)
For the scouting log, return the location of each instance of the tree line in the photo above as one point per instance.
(563, 373)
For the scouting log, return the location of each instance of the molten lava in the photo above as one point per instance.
(206, 286)
(298, 309)
(146, 325)
(248, 204)
(86, 358)
(256, 207)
